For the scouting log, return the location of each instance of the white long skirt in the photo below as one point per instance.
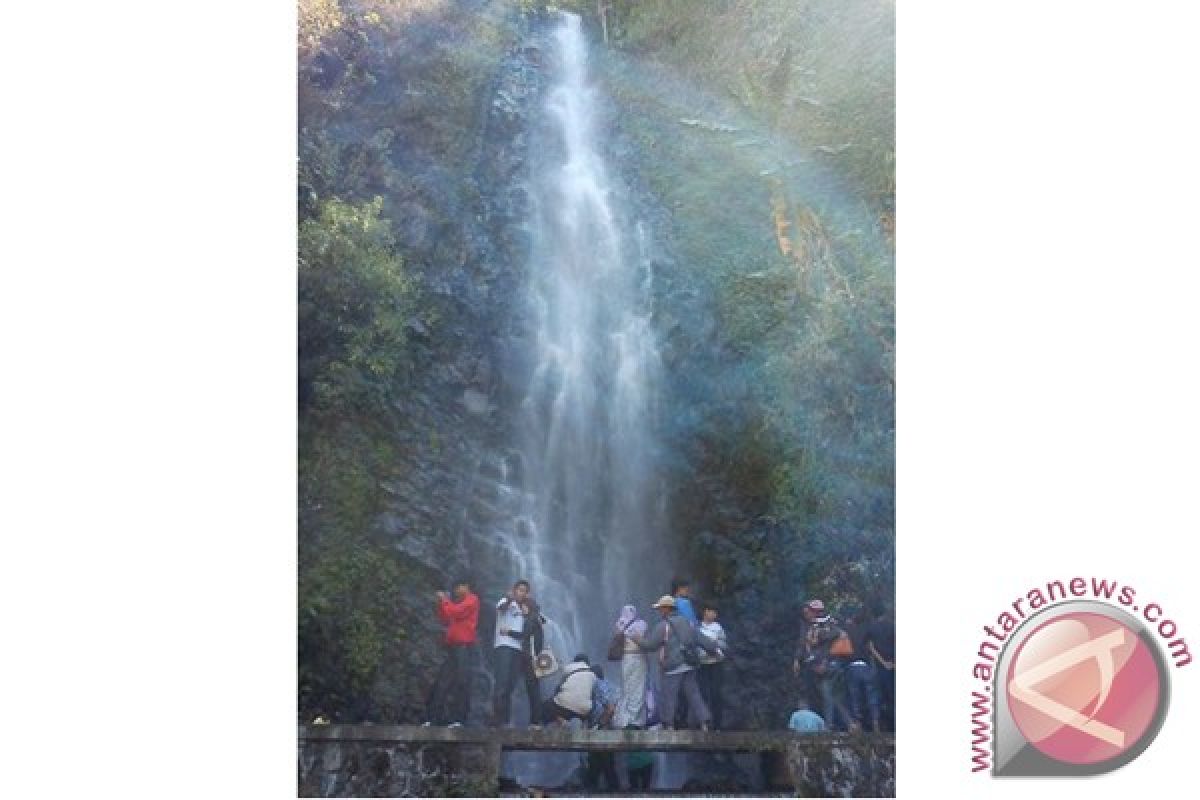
(631, 710)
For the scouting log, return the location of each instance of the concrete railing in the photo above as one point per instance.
(410, 761)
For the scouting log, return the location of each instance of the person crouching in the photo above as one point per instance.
(573, 697)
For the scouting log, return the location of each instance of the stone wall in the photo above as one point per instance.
(397, 769)
(401, 761)
(849, 767)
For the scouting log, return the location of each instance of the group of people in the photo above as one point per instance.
(848, 671)
(671, 672)
(672, 667)
(689, 651)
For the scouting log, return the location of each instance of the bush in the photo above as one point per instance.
(352, 622)
(355, 301)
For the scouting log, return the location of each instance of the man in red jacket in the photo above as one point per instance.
(450, 698)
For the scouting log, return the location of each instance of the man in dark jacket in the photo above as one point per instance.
(880, 641)
(862, 689)
(674, 637)
(812, 661)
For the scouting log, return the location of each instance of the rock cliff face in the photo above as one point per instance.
(449, 96)
(772, 307)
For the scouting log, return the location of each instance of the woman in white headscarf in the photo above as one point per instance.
(631, 710)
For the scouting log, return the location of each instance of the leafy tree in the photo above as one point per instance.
(355, 301)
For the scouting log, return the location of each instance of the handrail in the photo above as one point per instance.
(589, 740)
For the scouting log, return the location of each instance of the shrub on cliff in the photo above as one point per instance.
(355, 300)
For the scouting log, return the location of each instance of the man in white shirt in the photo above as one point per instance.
(517, 627)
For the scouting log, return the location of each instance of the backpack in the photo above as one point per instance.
(819, 657)
(691, 652)
(566, 677)
(842, 647)
(616, 647)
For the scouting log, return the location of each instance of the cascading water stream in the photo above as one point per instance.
(590, 503)
(590, 523)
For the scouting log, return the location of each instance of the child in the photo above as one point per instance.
(712, 665)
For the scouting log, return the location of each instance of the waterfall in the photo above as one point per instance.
(587, 438)
(587, 522)
(591, 515)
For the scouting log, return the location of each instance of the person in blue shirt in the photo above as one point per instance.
(805, 720)
(605, 697)
(604, 704)
(681, 590)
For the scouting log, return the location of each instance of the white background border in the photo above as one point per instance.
(1049, 198)
(1047, 412)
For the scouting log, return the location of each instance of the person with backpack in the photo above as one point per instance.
(450, 697)
(631, 710)
(712, 667)
(519, 638)
(681, 590)
(813, 662)
(677, 644)
(572, 698)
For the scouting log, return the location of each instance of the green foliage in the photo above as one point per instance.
(349, 611)
(343, 462)
(355, 300)
(316, 21)
(351, 583)
(333, 55)
(349, 170)
(821, 71)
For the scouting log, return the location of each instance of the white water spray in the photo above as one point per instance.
(591, 504)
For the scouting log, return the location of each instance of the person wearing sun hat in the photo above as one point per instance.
(812, 662)
(672, 637)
